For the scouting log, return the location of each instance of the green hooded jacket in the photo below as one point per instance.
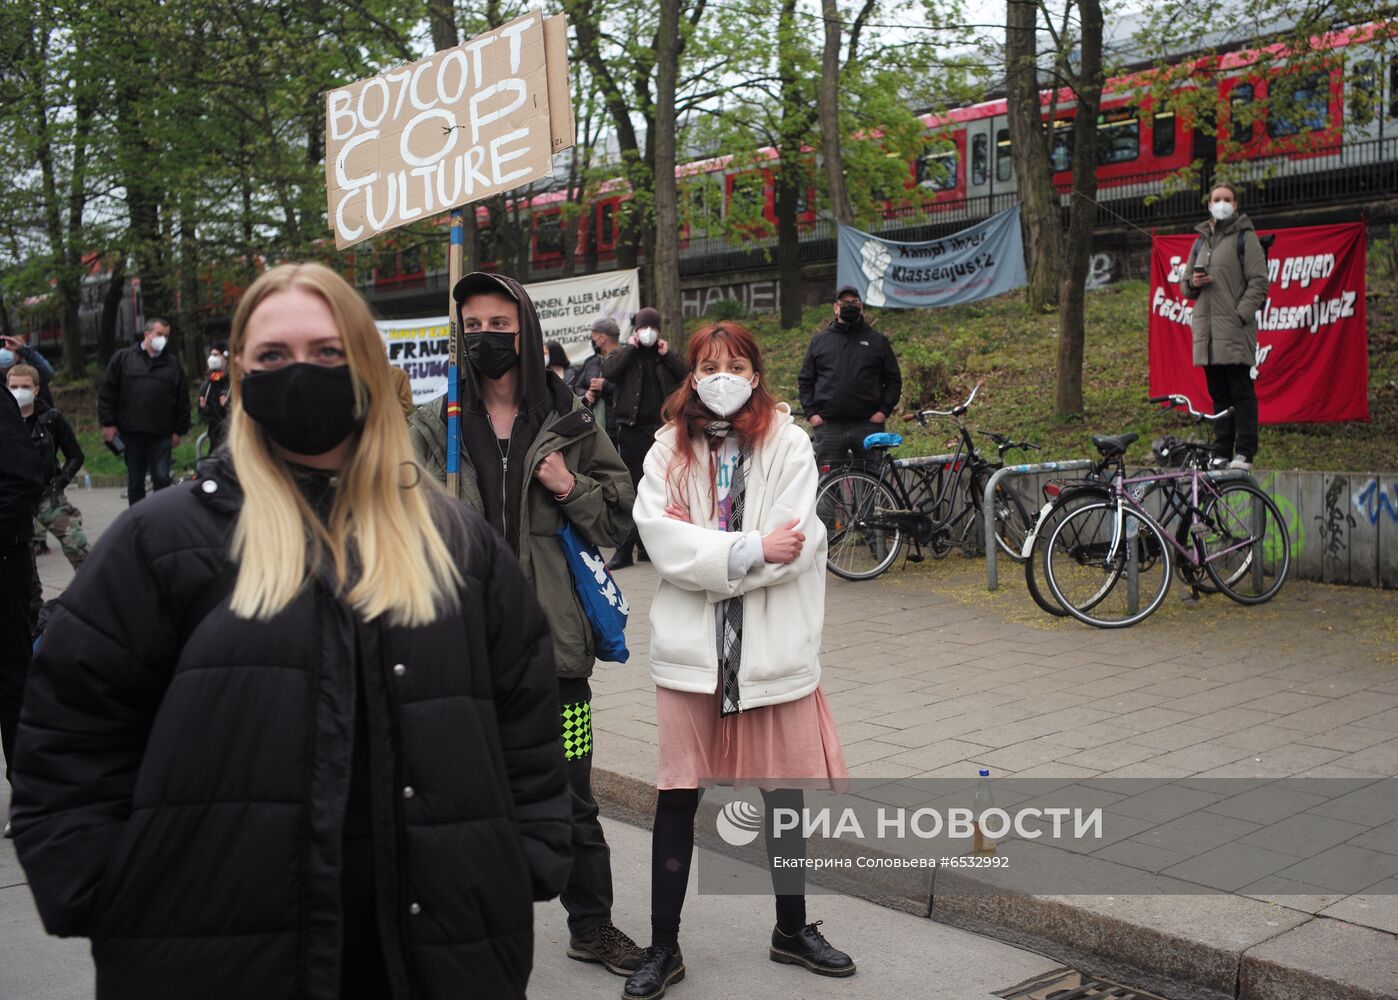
(1225, 312)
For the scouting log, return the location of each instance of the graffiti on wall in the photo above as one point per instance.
(1099, 271)
(1295, 529)
(1335, 518)
(755, 297)
(1374, 500)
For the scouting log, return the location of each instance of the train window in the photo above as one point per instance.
(747, 197)
(548, 235)
(606, 224)
(1364, 93)
(412, 261)
(485, 242)
(1061, 152)
(936, 169)
(1240, 122)
(1004, 166)
(1304, 106)
(1118, 136)
(1393, 87)
(1162, 133)
(980, 158)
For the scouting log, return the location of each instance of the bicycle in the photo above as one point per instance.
(1109, 563)
(869, 515)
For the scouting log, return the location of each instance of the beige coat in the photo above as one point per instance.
(1225, 313)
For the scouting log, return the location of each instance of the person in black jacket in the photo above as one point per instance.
(145, 399)
(589, 383)
(644, 371)
(293, 730)
(54, 437)
(212, 398)
(849, 382)
(21, 481)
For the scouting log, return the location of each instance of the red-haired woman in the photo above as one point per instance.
(727, 512)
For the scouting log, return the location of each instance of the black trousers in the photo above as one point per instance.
(1231, 385)
(146, 454)
(841, 442)
(16, 568)
(588, 894)
(634, 442)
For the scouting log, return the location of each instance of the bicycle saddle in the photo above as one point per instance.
(883, 439)
(1116, 445)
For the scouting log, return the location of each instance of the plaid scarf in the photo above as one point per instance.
(730, 612)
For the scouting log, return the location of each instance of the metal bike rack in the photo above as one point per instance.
(992, 578)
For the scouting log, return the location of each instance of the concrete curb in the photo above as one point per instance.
(1211, 946)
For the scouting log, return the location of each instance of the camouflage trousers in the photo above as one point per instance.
(59, 517)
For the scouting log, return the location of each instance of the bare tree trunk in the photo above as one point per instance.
(190, 338)
(796, 115)
(442, 16)
(830, 118)
(667, 210)
(1071, 315)
(1042, 218)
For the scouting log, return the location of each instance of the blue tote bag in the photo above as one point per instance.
(602, 600)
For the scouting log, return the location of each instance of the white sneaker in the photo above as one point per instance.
(1241, 462)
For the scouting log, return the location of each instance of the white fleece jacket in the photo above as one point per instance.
(784, 603)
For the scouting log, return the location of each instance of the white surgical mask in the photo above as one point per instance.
(723, 392)
(1221, 210)
(157, 344)
(215, 362)
(648, 336)
(25, 398)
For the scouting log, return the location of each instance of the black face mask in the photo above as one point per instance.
(491, 354)
(850, 312)
(307, 409)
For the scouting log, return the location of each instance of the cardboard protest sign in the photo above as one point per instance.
(461, 125)
(560, 98)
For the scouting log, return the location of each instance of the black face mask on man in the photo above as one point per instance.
(491, 353)
(850, 312)
(307, 409)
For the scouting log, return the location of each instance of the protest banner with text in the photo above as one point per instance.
(1312, 341)
(566, 308)
(461, 125)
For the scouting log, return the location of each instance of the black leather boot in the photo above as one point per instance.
(808, 947)
(621, 558)
(660, 966)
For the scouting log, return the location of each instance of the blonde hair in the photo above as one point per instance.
(382, 541)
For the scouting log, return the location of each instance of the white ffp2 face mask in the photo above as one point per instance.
(723, 392)
(1221, 210)
(215, 362)
(648, 336)
(157, 344)
(24, 397)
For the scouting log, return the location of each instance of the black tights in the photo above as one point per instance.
(672, 849)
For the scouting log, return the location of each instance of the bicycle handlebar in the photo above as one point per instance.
(1181, 400)
(955, 411)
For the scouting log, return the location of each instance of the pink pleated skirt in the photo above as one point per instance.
(791, 744)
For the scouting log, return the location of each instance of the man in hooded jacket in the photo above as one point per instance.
(531, 455)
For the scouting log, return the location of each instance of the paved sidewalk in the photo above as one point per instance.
(929, 675)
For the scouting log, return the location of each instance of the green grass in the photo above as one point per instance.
(944, 352)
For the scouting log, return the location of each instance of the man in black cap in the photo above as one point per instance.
(590, 383)
(644, 371)
(849, 382)
(531, 456)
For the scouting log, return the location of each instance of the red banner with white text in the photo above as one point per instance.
(1312, 343)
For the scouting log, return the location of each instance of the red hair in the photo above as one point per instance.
(687, 412)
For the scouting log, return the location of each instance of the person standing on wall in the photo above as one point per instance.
(849, 383)
(645, 372)
(1226, 275)
(145, 399)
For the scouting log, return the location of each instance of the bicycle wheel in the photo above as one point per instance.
(1107, 568)
(1034, 565)
(846, 502)
(1247, 552)
(1011, 521)
(1167, 502)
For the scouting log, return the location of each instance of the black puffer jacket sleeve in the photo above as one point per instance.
(525, 683)
(93, 691)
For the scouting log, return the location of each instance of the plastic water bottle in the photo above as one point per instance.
(87, 480)
(980, 843)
